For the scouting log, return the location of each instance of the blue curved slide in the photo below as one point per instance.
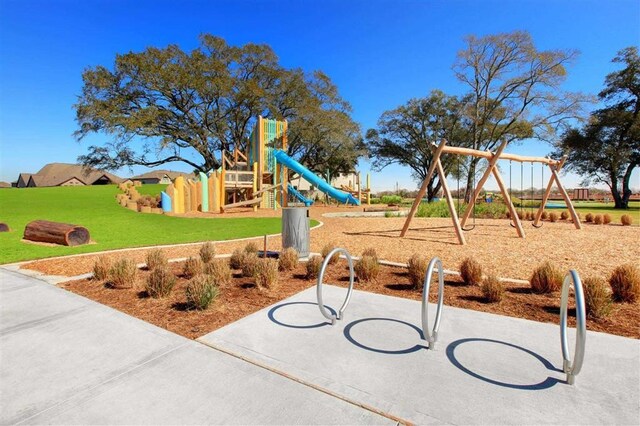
(313, 179)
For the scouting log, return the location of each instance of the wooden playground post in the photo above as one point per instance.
(547, 192)
(423, 188)
(492, 163)
(450, 204)
(255, 183)
(510, 206)
(567, 200)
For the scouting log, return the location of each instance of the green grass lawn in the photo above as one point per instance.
(151, 189)
(110, 225)
(584, 207)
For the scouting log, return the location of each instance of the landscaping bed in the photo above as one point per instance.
(241, 297)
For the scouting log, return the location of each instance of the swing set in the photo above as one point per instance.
(492, 169)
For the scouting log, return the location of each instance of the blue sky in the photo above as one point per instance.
(379, 53)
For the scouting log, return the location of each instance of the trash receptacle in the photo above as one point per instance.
(295, 229)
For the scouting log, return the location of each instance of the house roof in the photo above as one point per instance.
(5, 184)
(54, 174)
(159, 174)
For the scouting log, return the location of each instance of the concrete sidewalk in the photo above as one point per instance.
(67, 360)
(486, 369)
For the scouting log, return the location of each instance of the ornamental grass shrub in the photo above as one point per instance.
(266, 274)
(251, 248)
(597, 297)
(367, 268)
(625, 283)
(417, 267)
(492, 288)
(545, 215)
(597, 219)
(553, 217)
(564, 215)
(207, 252)
(588, 218)
(156, 259)
(313, 267)
(192, 267)
(101, 268)
(626, 220)
(327, 249)
(370, 252)
(201, 291)
(160, 282)
(471, 271)
(249, 262)
(606, 219)
(123, 273)
(546, 279)
(235, 261)
(219, 270)
(288, 259)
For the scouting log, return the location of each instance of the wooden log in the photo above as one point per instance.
(241, 204)
(503, 156)
(132, 205)
(56, 233)
(4, 227)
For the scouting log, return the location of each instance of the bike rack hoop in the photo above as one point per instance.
(432, 336)
(569, 366)
(325, 312)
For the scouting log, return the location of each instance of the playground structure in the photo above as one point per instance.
(362, 194)
(258, 178)
(492, 169)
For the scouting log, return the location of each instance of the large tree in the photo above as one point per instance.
(607, 149)
(514, 91)
(404, 135)
(165, 104)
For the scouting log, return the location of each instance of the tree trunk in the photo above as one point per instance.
(432, 191)
(470, 187)
(56, 233)
(615, 191)
(626, 191)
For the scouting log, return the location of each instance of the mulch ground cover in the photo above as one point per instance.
(241, 298)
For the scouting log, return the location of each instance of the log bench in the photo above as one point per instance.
(57, 233)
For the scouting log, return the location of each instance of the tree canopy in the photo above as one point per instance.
(607, 149)
(404, 135)
(165, 104)
(514, 91)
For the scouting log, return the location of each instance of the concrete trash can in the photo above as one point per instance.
(295, 229)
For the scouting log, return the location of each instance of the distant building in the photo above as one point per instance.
(160, 176)
(64, 174)
(5, 185)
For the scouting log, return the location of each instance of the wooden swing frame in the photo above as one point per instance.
(493, 157)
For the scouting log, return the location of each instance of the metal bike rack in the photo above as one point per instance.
(572, 367)
(325, 312)
(432, 336)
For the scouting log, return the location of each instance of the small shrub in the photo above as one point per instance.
(625, 283)
(417, 266)
(626, 220)
(249, 262)
(553, 217)
(327, 249)
(156, 259)
(606, 219)
(545, 215)
(123, 273)
(235, 261)
(101, 268)
(370, 252)
(192, 267)
(597, 298)
(597, 219)
(201, 291)
(564, 215)
(520, 215)
(471, 271)
(207, 252)
(367, 268)
(391, 200)
(288, 259)
(251, 248)
(266, 274)
(313, 267)
(160, 282)
(546, 279)
(588, 218)
(219, 270)
(492, 288)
